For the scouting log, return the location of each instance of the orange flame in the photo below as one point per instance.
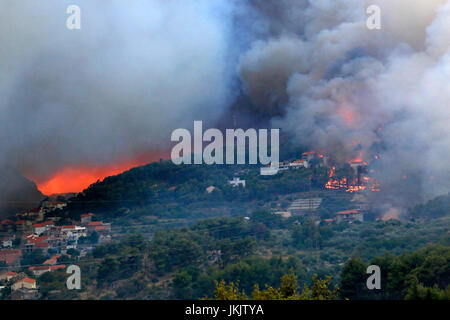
(78, 178)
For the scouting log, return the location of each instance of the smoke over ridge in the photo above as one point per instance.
(137, 70)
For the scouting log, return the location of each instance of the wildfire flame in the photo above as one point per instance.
(76, 179)
(352, 186)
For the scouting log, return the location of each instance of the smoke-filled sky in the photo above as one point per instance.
(139, 69)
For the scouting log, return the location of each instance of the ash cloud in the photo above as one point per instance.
(118, 87)
(339, 87)
(137, 70)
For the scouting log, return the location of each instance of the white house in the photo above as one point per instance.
(40, 228)
(236, 182)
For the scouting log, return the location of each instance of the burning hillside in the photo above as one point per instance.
(72, 109)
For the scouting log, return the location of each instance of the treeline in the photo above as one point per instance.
(420, 275)
(435, 208)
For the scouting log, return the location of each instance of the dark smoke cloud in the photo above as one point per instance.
(139, 69)
(342, 88)
(134, 72)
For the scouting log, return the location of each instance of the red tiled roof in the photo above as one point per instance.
(20, 222)
(38, 239)
(38, 268)
(345, 212)
(59, 266)
(69, 226)
(85, 215)
(29, 280)
(43, 224)
(100, 228)
(10, 273)
(6, 221)
(95, 223)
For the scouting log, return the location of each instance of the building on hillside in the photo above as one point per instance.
(23, 225)
(40, 228)
(8, 275)
(299, 164)
(86, 218)
(210, 189)
(236, 182)
(349, 215)
(36, 242)
(7, 225)
(284, 214)
(7, 241)
(99, 226)
(11, 257)
(328, 221)
(72, 232)
(305, 206)
(52, 261)
(27, 283)
(51, 205)
(40, 270)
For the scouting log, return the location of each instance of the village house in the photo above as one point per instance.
(72, 232)
(40, 270)
(328, 221)
(86, 218)
(94, 224)
(210, 189)
(284, 214)
(43, 227)
(299, 164)
(51, 205)
(23, 225)
(8, 275)
(11, 257)
(24, 283)
(236, 182)
(7, 241)
(7, 225)
(33, 215)
(349, 215)
(52, 260)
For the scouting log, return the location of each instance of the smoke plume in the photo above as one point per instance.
(137, 70)
(339, 87)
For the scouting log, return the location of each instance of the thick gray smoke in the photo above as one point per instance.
(139, 69)
(116, 88)
(347, 90)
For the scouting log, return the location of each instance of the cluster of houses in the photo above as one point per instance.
(22, 287)
(32, 230)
